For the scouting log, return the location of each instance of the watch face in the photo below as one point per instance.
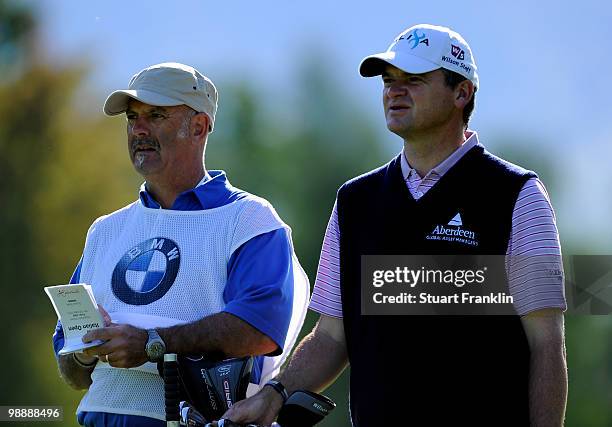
(156, 350)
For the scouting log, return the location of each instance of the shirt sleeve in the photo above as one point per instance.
(58, 335)
(326, 295)
(259, 287)
(534, 265)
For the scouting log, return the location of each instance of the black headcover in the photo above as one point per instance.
(212, 387)
(304, 409)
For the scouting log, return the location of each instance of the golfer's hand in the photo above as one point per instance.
(262, 408)
(124, 345)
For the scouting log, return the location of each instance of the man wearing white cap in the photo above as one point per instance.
(194, 266)
(443, 194)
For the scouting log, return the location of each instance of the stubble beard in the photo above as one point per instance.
(401, 128)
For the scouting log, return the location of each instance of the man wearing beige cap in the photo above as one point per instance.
(193, 266)
(444, 194)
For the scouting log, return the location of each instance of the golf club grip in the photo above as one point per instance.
(171, 390)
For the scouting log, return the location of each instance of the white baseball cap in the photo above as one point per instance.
(423, 48)
(166, 85)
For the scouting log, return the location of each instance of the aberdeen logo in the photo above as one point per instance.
(456, 221)
(453, 232)
(415, 38)
(457, 52)
(146, 272)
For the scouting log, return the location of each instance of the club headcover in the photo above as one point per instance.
(304, 409)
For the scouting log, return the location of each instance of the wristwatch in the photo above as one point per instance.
(155, 347)
(280, 389)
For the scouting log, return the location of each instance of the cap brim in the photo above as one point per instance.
(117, 102)
(374, 65)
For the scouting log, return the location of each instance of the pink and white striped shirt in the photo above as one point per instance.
(534, 233)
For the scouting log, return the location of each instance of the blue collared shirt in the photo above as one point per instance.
(259, 288)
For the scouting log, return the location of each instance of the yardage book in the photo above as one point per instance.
(77, 310)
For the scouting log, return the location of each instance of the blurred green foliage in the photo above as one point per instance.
(61, 168)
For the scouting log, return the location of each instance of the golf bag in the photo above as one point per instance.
(209, 387)
(199, 391)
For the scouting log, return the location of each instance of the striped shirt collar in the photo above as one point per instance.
(439, 171)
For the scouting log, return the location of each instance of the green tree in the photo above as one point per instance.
(27, 135)
(52, 164)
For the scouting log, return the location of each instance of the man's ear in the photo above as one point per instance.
(464, 93)
(199, 125)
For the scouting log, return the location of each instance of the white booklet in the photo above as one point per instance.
(78, 312)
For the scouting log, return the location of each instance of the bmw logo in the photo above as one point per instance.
(146, 272)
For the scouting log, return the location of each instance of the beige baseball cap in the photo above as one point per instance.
(164, 85)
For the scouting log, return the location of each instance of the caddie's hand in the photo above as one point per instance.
(124, 346)
(107, 319)
(262, 408)
(84, 358)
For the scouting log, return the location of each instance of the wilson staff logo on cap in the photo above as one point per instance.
(423, 48)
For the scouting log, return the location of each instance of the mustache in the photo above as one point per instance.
(143, 144)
